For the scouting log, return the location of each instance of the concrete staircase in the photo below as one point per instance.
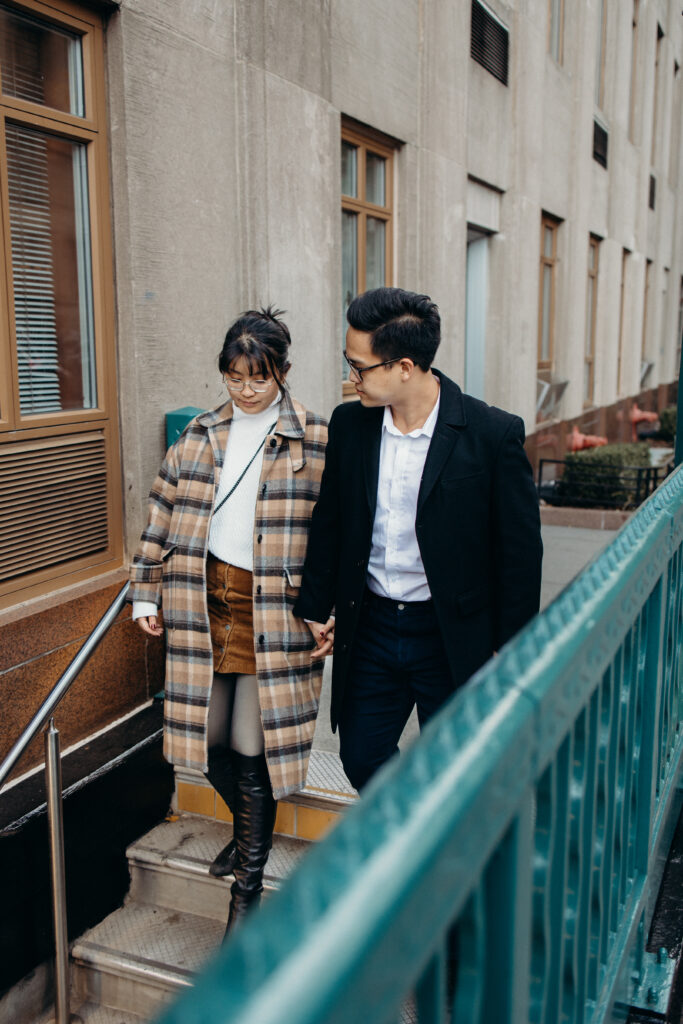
(127, 967)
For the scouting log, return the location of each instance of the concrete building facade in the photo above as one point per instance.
(522, 163)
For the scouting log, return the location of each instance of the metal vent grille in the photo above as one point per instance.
(600, 141)
(490, 41)
(53, 502)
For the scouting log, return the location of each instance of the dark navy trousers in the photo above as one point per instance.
(398, 661)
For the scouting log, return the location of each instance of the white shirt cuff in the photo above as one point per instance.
(143, 609)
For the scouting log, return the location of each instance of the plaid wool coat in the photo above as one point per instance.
(169, 569)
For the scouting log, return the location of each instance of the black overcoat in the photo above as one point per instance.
(477, 527)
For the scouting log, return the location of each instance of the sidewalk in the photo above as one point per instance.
(567, 549)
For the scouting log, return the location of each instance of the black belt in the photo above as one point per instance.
(371, 598)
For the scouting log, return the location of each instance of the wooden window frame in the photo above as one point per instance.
(675, 128)
(634, 71)
(646, 301)
(366, 140)
(589, 350)
(15, 426)
(546, 365)
(602, 43)
(654, 147)
(625, 253)
(559, 57)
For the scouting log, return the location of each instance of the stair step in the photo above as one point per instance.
(305, 815)
(141, 956)
(169, 866)
(89, 1013)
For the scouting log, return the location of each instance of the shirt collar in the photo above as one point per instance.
(426, 430)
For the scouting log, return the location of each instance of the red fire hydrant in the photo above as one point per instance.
(637, 416)
(576, 441)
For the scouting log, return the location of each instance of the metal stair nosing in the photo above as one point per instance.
(173, 919)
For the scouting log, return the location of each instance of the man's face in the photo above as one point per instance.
(378, 386)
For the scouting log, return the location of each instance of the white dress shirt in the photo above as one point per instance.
(231, 534)
(395, 569)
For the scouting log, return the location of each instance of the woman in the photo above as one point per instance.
(222, 556)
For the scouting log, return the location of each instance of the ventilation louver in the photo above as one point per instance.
(489, 42)
(53, 502)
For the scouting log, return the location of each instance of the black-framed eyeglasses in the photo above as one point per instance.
(359, 371)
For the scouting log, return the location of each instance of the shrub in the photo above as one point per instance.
(605, 477)
(667, 423)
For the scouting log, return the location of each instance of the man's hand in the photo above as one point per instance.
(150, 625)
(323, 634)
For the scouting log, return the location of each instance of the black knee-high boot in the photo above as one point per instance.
(254, 821)
(221, 775)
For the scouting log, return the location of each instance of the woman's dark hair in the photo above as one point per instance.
(400, 323)
(263, 339)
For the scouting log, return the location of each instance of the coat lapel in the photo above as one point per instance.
(449, 424)
(371, 441)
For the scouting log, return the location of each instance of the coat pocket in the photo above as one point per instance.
(292, 575)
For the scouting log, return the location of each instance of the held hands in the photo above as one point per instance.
(150, 624)
(323, 634)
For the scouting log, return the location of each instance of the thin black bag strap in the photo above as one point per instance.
(244, 472)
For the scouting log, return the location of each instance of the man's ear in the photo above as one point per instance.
(407, 368)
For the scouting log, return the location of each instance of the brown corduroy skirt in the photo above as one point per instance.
(231, 617)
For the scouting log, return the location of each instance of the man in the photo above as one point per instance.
(425, 542)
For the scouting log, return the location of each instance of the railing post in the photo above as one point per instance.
(53, 781)
(678, 449)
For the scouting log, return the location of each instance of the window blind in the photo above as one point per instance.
(34, 293)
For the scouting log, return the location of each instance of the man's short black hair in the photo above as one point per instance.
(400, 323)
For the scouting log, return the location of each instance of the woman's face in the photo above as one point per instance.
(248, 399)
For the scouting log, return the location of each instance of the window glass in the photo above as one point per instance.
(52, 278)
(545, 331)
(548, 242)
(555, 34)
(375, 251)
(349, 169)
(40, 63)
(589, 318)
(374, 179)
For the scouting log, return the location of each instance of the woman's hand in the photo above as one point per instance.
(150, 624)
(324, 638)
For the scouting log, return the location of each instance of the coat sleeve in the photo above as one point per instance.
(518, 549)
(319, 581)
(146, 570)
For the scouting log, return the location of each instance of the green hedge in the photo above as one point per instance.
(667, 423)
(604, 477)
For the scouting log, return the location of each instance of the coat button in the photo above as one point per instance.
(261, 638)
(259, 538)
(273, 442)
(345, 647)
(352, 604)
(258, 589)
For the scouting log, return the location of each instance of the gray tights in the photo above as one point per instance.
(235, 714)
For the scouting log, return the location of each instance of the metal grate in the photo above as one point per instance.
(53, 502)
(600, 141)
(490, 42)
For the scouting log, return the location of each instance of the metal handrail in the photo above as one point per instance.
(53, 785)
(61, 688)
(531, 813)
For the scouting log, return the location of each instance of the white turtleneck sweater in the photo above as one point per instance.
(231, 533)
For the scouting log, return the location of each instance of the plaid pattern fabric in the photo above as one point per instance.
(169, 569)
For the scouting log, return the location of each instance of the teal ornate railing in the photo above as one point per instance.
(529, 815)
